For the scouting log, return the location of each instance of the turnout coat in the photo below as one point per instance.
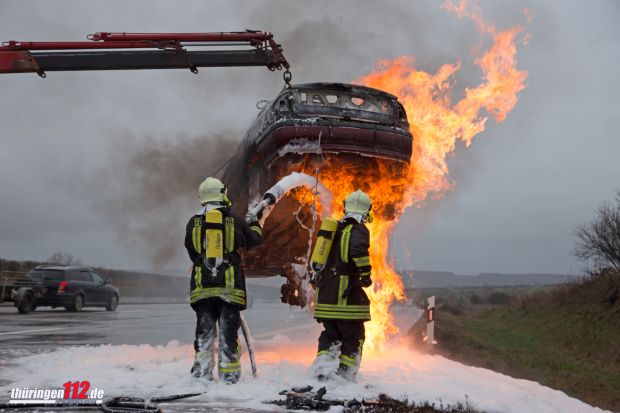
(339, 293)
(229, 281)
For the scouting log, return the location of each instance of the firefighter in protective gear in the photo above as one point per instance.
(218, 294)
(341, 303)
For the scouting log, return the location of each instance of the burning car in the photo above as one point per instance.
(323, 130)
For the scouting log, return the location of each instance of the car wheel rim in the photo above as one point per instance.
(78, 302)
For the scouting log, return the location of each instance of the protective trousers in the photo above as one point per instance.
(350, 335)
(209, 313)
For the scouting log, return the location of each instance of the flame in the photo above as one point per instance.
(437, 122)
(386, 184)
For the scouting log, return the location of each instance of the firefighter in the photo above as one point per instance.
(341, 304)
(218, 294)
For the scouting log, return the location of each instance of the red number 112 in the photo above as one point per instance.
(72, 389)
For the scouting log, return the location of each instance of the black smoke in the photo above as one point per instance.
(152, 189)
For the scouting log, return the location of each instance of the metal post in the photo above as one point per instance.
(3, 288)
(430, 322)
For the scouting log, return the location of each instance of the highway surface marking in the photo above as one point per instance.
(272, 333)
(31, 331)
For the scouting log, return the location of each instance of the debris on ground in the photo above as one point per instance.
(303, 398)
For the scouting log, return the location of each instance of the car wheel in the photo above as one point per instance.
(78, 303)
(26, 304)
(113, 303)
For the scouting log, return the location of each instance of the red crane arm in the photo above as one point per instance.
(108, 51)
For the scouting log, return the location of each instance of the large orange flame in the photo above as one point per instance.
(437, 122)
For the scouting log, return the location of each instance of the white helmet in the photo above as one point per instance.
(212, 190)
(358, 205)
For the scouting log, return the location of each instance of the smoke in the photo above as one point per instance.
(152, 189)
(340, 41)
(152, 183)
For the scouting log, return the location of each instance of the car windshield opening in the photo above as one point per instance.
(333, 99)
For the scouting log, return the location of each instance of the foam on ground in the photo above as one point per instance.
(149, 371)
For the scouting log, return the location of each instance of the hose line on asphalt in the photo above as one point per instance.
(121, 404)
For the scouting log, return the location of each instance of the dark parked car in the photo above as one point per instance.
(71, 287)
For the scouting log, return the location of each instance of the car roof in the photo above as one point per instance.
(343, 87)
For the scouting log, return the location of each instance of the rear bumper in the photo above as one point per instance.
(60, 299)
(367, 139)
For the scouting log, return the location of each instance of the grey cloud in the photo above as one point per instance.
(520, 188)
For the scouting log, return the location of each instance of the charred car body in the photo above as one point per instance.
(317, 128)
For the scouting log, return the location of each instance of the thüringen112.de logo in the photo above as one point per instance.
(73, 392)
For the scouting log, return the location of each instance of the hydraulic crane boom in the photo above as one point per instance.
(116, 51)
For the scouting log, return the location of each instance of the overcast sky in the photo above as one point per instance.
(67, 141)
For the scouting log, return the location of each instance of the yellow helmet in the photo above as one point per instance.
(358, 202)
(212, 190)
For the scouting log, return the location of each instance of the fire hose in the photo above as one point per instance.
(122, 404)
(260, 211)
(139, 405)
(248, 342)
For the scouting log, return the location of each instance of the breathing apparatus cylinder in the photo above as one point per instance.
(214, 240)
(323, 245)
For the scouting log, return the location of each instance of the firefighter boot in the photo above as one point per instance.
(229, 368)
(203, 365)
(229, 371)
(324, 365)
(230, 377)
(348, 367)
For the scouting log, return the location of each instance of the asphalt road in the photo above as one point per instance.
(46, 329)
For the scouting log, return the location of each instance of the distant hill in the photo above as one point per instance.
(430, 279)
(176, 281)
(437, 279)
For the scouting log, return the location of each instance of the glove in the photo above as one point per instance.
(250, 218)
(366, 281)
(314, 279)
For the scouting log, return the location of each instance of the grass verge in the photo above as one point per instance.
(566, 337)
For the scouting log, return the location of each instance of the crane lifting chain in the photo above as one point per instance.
(287, 76)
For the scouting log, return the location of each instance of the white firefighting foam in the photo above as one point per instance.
(149, 371)
(290, 182)
(297, 179)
